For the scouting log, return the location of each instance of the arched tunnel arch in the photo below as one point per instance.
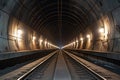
(64, 23)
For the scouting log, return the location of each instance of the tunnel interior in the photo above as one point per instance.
(60, 21)
(34, 33)
(76, 24)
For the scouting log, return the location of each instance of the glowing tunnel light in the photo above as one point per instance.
(76, 41)
(34, 37)
(81, 39)
(88, 36)
(45, 42)
(19, 33)
(101, 30)
(48, 43)
(41, 40)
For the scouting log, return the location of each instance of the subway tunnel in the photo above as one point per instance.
(55, 30)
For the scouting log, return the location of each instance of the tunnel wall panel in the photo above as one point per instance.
(12, 28)
(109, 5)
(8, 5)
(3, 32)
(25, 40)
(116, 17)
(23, 37)
(101, 39)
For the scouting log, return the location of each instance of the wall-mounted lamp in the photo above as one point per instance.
(88, 36)
(76, 41)
(45, 42)
(41, 40)
(73, 42)
(34, 37)
(81, 39)
(101, 30)
(48, 43)
(19, 33)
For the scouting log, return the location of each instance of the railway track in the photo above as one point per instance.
(61, 66)
(79, 71)
(44, 71)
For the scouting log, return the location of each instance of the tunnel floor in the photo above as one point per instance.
(59, 65)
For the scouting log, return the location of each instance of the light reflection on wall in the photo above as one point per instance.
(24, 38)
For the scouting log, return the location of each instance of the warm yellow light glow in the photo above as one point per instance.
(76, 41)
(34, 37)
(88, 36)
(81, 39)
(45, 42)
(101, 30)
(48, 43)
(19, 33)
(41, 40)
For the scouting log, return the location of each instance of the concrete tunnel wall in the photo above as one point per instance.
(109, 39)
(10, 39)
(109, 20)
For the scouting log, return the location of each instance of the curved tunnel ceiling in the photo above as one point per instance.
(58, 20)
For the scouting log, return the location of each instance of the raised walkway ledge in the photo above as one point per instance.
(13, 58)
(111, 55)
(8, 55)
